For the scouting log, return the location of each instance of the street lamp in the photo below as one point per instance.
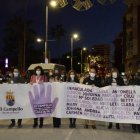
(83, 49)
(53, 4)
(68, 57)
(74, 36)
(39, 40)
(78, 63)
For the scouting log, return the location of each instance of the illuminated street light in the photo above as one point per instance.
(79, 63)
(68, 57)
(53, 3)
(74, 36)
(58, 3)
(39, 40)
(83, 49)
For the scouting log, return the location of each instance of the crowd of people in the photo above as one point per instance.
(89, 78)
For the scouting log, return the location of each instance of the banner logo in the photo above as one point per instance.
(10, 98)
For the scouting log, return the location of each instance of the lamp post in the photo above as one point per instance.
(39, 40)
(83, 49)
(53, 4)
(46, 42)
(74, 36)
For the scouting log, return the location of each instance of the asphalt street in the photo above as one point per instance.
(65, 133)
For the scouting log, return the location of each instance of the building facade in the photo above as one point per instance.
(131, 36)
(119, 53)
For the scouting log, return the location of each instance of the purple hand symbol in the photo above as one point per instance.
(41, 103)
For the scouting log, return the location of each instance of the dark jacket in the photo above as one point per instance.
(17, 80)
(134, 81)
(63, 79)
(96, 81)
(75, 80)
(119, 81)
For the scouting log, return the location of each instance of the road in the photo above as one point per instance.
(65, 133)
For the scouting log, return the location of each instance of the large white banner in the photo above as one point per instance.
(70, 100)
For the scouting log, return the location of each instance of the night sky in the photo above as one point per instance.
(98, 25)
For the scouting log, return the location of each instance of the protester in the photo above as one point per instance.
(56, 72)
(58, 78)
(38, 78)
(114, 80)
(125, 79)
(63, 76)
(81, 78)
(72, 77)
(51, 73)
(86, 74)
(56, 121)
(16, 79)
(9, 75)
(93, 80)
(135, 81)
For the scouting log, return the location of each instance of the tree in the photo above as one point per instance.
(19, 36)
(58, 32)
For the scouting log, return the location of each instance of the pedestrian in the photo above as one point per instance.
(114, 80)
(9, 75)
(16, 79)
(93, 80)
(125, 78)
(56, 121)
(72, 77)
(39, 78)
(135, 81)
(63, 76)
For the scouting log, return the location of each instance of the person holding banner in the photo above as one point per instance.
(62, 76)
(114, 80)
(93, 80)
(72, 77)
(56, 121)
(58, 78)
(38, 78)
(135, 81)
(15, 80)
